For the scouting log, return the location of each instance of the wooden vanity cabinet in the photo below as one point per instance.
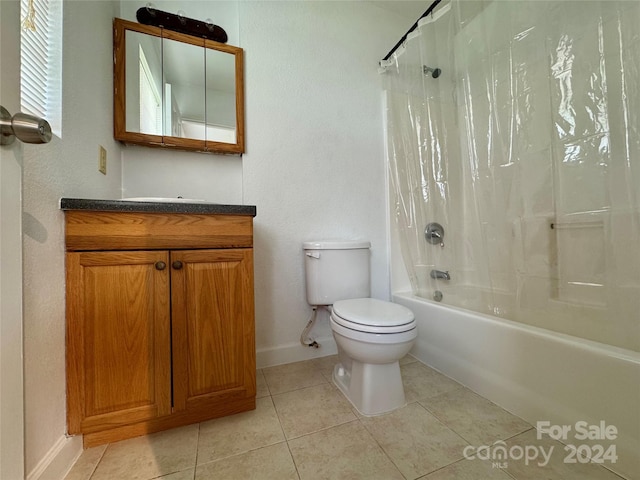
(157, 336)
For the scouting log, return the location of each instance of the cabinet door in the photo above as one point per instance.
(213, 327)
(118, 339)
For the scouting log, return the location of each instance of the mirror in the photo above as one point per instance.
(184, 90)
(178, 91)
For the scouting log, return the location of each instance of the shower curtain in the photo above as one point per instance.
(526, 149)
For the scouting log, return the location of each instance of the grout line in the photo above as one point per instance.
(295, 465)
(264, 378)
(195, 465)
(322, 429)
(242, 453)
(302, 388)
(386, 454)
(284, 435)
(98, 462)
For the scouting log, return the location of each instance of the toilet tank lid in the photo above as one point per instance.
(335, 245)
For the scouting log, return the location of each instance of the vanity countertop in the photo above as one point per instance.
(156, 207)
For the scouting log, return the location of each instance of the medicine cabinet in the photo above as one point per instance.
(177, 91)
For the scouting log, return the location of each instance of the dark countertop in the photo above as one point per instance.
(155, 207)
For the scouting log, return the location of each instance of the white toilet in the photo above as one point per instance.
(372, 335)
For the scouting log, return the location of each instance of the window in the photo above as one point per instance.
(41, 61)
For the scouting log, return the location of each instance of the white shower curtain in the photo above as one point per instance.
(526, 149)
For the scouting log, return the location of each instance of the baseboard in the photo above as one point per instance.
(294, 352)
(58, 460)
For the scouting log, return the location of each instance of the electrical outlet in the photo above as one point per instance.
(102, 160)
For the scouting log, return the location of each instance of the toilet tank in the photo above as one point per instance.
(336, 271)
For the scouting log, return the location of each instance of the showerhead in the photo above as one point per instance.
(435, 72)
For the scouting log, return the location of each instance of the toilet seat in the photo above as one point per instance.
(370, 315)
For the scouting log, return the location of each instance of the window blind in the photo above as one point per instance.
(41, 62)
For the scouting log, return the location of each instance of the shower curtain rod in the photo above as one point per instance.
(404, 37)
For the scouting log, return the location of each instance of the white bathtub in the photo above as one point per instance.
(536, 374)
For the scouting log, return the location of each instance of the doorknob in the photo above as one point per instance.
(26, 127)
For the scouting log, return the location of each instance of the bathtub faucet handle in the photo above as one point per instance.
(434, 234)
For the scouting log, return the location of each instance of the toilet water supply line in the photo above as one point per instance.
(305, 339)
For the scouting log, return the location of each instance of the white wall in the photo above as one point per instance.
(66, 167)
(154, 172)
(314, 164)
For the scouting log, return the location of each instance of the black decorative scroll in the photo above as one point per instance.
(177, 23)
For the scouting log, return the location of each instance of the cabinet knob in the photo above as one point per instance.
(177, 265)
(161, 265)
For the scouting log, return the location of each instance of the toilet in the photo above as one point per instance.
(372, 335)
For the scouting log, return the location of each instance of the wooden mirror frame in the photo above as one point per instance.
(120, 132)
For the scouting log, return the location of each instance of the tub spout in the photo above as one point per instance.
(440, 274)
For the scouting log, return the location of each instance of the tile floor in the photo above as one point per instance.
(303, 428)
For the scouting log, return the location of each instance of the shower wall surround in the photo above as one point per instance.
(526, 149)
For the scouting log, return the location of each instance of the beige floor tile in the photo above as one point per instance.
(262, 389)
(328, 440)
(86, 464)
(343, 452)
(407, 359)
(239, 433)
(312, 409)
(269, 463)
(151, 456)
(325, 365)
(292, 376)
(415, 440)
(421, 381)
(469, 470)
(556, 468)
(473, 417)
(188, 474)
(426, 439)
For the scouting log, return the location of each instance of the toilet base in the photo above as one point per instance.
(373, 389)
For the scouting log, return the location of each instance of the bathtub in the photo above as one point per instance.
(534, 373)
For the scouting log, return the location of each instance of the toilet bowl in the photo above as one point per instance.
(372, 336)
